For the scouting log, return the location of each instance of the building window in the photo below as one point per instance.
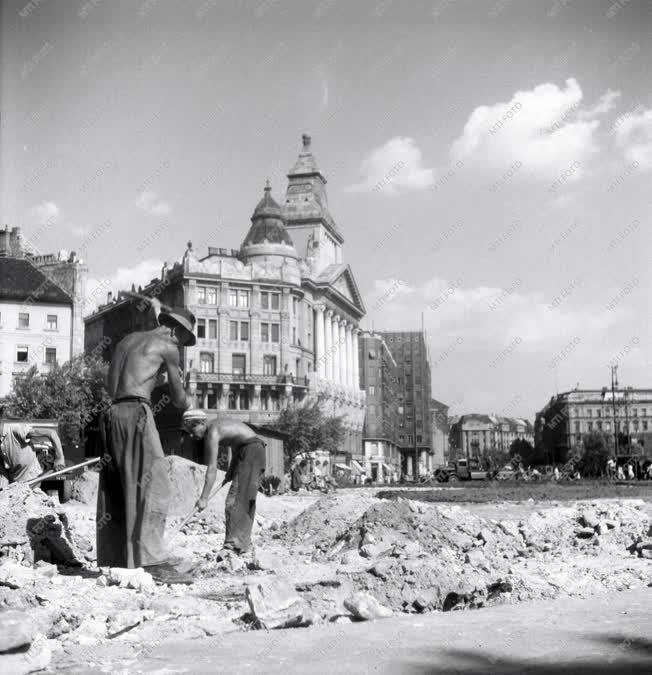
(599, 426)
(201, 328)
(644, 425)
(51, 355)
(243, 298)
(371, 390)
(419, 438)
(589, 426)
(294, 335)
(201, 295)
(401, 437)
(269, 365)
(264, 300)
(276, 332)
(276, 300)
(297, 367)
(212, 329)
(233, 298)
(243, 399)
(238, 364)
(233, 330)
(206, 362)
(577, 426)
(52, 322)
(635, 425)
(23, 320)
(410, 438)
(643, 412)
(264, 332)
(211, 296)
(244, 330)
(295, 302)
(634, 412)
(589, 413)
(22, 353)
(598, 412)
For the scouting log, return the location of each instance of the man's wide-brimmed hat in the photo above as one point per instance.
(181, 317)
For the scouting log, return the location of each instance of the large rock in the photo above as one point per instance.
(84, 487)
(16, 630)
(276, 604)
(34, 527)
(28, 659)
(365, 607)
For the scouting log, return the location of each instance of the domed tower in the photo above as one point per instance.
(267, 235)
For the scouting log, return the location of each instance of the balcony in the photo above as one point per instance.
(233, 378)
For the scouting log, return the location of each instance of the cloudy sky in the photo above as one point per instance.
(488, 163)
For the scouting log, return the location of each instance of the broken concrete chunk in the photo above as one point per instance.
(589, 519)
(475, 557)
(365, 607)
(375, 550)
(585, 533)
(350, 558)
(16, 629)
(276, 604)
(136, 578)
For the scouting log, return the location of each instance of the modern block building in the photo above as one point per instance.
(41, 306)
(414, 382)
(277, 319)
(564, 421)
(380, 381)
(474, 434)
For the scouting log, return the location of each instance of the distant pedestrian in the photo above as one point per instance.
(611, 468)
(630, 471)
(620, 473)
(556, 473)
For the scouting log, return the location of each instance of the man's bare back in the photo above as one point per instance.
(139, 361)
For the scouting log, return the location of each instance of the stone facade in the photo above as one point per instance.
(277, 324)
(474, 434)
(564, 421)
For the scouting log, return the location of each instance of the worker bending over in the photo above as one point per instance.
(18, 460)
(245, 472)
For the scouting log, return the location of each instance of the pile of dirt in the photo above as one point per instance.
(421, 557)
(34, 527)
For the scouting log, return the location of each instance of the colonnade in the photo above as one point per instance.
(336, 348)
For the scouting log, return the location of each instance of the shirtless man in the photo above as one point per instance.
(246, 470)
(134, 488)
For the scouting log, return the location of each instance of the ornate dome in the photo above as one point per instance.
(267, 234)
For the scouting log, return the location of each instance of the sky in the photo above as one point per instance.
(488, 163)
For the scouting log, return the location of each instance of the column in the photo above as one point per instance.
(356, 361)
(349, 356)
(336, 349)
(328, 344)
(319, 341)
(342, 351)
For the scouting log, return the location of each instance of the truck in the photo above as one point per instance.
(462, 469)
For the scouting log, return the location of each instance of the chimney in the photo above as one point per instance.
(109, 298)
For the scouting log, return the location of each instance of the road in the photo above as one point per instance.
(607, 634)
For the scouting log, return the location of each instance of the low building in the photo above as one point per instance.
(440, 432)
(41, 302)
(565, 420)
(475, 434)
(379, 381)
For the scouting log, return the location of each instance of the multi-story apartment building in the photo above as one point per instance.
(379, 380)
(564, 421)
(414, 380)
(277, 320)
(473, 434)
(439, 432)
(41, 302)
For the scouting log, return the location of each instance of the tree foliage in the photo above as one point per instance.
(495, 458)
(530, 455)
(595, 454)
(72, 393)
(308, 430)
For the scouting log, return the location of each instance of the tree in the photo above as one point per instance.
(529, 455)
(308, 430)
(595, 454)
(495, 458)
(73, 393)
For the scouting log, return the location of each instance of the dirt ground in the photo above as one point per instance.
(319, 560)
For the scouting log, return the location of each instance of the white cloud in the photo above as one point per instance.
(120, 280)
(149, 202)
(544, 128)
(634, 137)
(487, 317)
(393, 168)
(46, 212)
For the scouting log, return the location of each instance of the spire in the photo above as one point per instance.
(306, 163)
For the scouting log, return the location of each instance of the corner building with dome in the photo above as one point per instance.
(277, 320)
